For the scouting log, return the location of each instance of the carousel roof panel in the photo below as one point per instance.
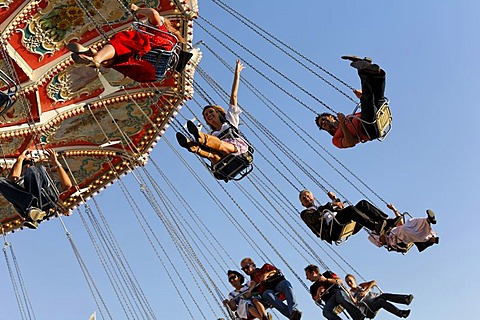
(102, 125)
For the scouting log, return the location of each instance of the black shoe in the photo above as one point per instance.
(409, 299)
(431, 216)
(405, 313)
(193, 129)
(380, 227)
(364, 65)
(296, 315)
(356, 58)
(391, 223)
(182, 140)
(30, 224)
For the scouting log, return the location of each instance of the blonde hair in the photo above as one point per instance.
(168, 25)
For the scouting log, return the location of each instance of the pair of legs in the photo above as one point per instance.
(31, 195)
(258, 310)
(373, 89)
(206, 146)
(383, 302)
(364, 213)
(341, 298)
(85, 55)
(284, 287)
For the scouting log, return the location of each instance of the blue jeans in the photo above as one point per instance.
(35, 180)
(341, 298)
(285, 287)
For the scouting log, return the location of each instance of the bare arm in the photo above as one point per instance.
(236, 81)
(348, 139)
(153, 16)
(16, 171)
(395, 211)
(367, 286)
(335, 201)
(62, 174)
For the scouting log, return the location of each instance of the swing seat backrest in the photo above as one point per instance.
(383, 120)
(161, 60)
(339, 233)
(403, 249)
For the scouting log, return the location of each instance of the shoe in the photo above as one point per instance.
(36, 214)
(391, 223)
(85, 59)
(30, 224)
(380, 227)
(364, 65)
(436, 240)
(296, 315)
(78, 48)
(193, 129)
(356, 58)
(409, 299)
(431, 216)
(182, 140)
(187, 144)
(405, 313)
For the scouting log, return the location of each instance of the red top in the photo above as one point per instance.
(134, 42)
(257, 275)
(354, 125)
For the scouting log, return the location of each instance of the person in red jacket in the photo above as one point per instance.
(268, 281)
(348, 131)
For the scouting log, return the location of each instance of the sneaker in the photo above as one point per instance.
(405, 313)
(356, 58)
(36, 214)
(30, 224)
(431, 216)
(364, 65)
(296, 315)
(409, 299)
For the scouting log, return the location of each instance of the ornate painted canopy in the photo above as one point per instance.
(102, 126)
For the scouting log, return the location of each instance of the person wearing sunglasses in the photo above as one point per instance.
(244, 307)
(271, 284)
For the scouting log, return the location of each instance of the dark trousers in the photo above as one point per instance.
(382, 302)
(373, 90)
(364, 213)
(341, 298)
(30, 195)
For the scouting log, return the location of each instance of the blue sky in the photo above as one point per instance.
(429, 50)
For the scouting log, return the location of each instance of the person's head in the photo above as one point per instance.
(215, 116)
(235, 277)
(247, 265)
(327, 121)
(350, 280)
(306, 198)
(312, 272)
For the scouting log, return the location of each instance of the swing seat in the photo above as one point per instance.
(7, 99)
(232, 166)
(401, 249)
(382, 122)
(340, 235)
